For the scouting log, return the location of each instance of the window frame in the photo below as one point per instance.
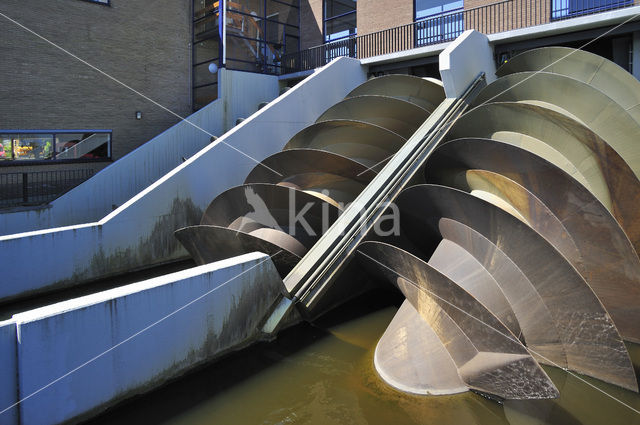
(342, 15)
(18, 162)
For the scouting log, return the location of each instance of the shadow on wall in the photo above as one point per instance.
(311, 21)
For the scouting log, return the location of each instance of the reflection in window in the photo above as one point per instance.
(570, 8)
(258, 34)
(39, 146)
(426, 8)
(438, 21)
(339, 19)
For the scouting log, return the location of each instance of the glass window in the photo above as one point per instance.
(82, 145)
(568, 8)
(333, 8)
(42, 146)
(258, 33)
(426, 8)
(206, 51)
(250, 7)
(6, 147)
(205, 28)
(202, 75)
(339, 19)
(341, 27)
(277, 11)
(202, 96)
(32, 146)
(204, 7)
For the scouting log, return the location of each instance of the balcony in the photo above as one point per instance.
(490, 19)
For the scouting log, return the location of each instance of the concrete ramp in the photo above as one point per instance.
(139, 233)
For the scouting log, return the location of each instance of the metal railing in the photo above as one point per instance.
(566, 9)
(490, 19)
(38, 187)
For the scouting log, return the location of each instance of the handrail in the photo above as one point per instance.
(493, 18)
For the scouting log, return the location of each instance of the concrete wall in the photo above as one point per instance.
(241, 93)
(9, 374)
(463, 60)
(45, 88)
(140, 232)
(143, 334)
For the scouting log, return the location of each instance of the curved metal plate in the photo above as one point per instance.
(609, 178)
(258, 205)
(535, 320)
(457, 264)
(396, 115)
(595, 109)
(526, 206)
(592, 69)
(362, 142)
(314, 170)
(411, 357)
(608, 261)
(213, 243)
(424, 93)
(489, 358)
(591, 340)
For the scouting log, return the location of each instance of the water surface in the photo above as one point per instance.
(323, 374)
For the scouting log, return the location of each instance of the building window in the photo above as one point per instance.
(561, 9)
(63, 145)
(438, 21)
(259, 33)
(339, 19)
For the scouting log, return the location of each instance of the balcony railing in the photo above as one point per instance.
(490, 19)
(38, 187)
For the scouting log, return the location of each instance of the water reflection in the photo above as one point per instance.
(324, 375)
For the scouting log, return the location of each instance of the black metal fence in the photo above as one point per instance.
(38, 187)
(490, 19)
(566, 9)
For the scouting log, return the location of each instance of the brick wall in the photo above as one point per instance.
(377, 15)
(310, 23)
(505, 15)
(141, 43)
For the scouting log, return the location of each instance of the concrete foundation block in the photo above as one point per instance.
(463, 60)
(8, 374)
(102, 348)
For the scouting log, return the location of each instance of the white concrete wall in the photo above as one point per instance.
(209, 310)
(8, 373)
(240, 93)
(463, 60)
(140, 232)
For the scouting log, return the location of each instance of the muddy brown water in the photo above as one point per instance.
(323, 374)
